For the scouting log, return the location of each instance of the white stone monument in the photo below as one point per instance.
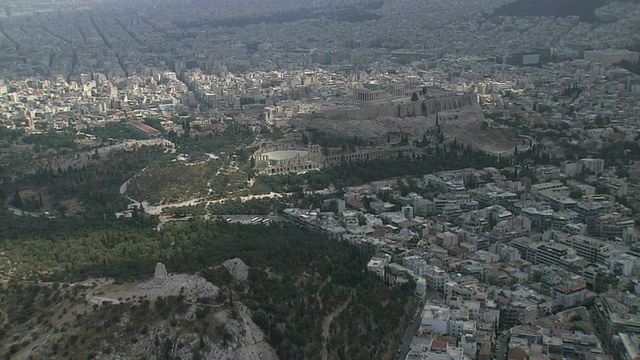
(160, 276)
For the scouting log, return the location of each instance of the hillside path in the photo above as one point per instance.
(326, 324)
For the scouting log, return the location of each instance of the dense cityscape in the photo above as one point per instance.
(410, 179)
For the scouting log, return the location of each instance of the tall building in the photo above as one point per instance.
(626, 346)
(407, 212)
(594, 165)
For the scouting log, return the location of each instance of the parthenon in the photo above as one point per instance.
(365, 95)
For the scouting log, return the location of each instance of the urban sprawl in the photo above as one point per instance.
(535, 260)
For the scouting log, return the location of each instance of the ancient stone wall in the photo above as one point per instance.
(374, 153)
(432, 107)
(312, 160)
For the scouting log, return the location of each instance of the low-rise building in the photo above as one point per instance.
(143, 130)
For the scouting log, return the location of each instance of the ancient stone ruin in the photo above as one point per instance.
(160, 277)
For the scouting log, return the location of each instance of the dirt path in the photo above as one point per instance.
(157, 209)
(326, 324)
(5, 318)
(318, 297)
(203, 304)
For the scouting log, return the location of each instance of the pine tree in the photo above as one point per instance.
(16, 200)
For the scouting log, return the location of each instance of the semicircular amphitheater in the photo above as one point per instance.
(287, 158)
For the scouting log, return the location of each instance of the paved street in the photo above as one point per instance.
(409, 334)
(501, 349)
(414, 326)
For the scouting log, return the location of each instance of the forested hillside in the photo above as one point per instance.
(296, 278)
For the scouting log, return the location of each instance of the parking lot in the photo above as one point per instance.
(250, 219)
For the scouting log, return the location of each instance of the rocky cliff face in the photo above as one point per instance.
(176, 317)
(237, 269)
(234, 336)
(404, 110)
(248, 340)
(377, 127)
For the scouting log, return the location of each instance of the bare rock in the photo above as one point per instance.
(237, 268)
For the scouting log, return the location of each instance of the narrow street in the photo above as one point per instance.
(502, 347)
(414, 326)
(409, 334)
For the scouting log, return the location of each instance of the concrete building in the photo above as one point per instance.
(590, 249)
(407, 211)
(519, 312)
(626, 346)
(612, 225)
(436, 278)
(424, 207)
(613, 317)
(611, 56)
(447, 239)
(377, 265)
(548, 186)
(566, 288)
(594, 165)
(437, 317)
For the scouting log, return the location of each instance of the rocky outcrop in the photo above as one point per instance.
(237, 269)
(171, 316)
(235, 337)
(248, 342)
(376, 128)
(403, 110)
